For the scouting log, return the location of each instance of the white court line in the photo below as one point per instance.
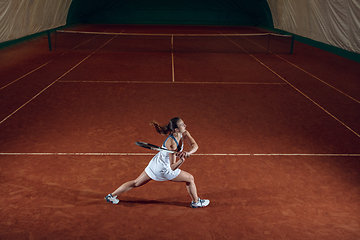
(34, 70)
(298, 90)
(77, 154)
(301, 69)
(196, 154)
(310, 99)
(296, 66)
(11, 114)
(41, 91)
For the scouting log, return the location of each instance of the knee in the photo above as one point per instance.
(132, 184)
(135, 183)
(139, 182)
(191, 178)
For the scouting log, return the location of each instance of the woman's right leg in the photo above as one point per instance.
(190, 184)
(139, 181)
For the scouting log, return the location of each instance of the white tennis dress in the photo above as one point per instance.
(159, 168)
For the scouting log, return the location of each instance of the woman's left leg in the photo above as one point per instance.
(142, 179)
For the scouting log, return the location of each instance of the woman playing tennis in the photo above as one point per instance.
(164, 166)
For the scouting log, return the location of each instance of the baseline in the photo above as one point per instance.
(195, 154)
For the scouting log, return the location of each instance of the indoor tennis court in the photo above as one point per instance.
(276, 121)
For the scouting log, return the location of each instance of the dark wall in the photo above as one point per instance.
(194, 12)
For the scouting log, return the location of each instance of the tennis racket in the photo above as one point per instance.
(153, 147)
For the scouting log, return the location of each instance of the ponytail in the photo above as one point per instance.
(168, 129)
(163, 130)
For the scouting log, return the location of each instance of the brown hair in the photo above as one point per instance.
(167, 129)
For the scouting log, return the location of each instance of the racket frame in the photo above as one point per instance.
(153, 147)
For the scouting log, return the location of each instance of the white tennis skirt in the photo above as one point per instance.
(159, 168)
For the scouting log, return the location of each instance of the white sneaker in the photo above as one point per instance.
(200, 203)
(112, 199)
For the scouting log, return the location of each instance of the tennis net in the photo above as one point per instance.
(177, 43)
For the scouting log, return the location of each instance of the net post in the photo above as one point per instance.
(56, 39)
(49, 39)
(292, 44)
(268, 45)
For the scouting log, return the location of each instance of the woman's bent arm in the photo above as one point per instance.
(191, 141)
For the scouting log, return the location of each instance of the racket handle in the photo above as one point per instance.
(187, 155)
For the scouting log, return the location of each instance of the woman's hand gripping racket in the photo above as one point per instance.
(157, 148)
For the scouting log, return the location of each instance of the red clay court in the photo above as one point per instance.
(278, 136)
